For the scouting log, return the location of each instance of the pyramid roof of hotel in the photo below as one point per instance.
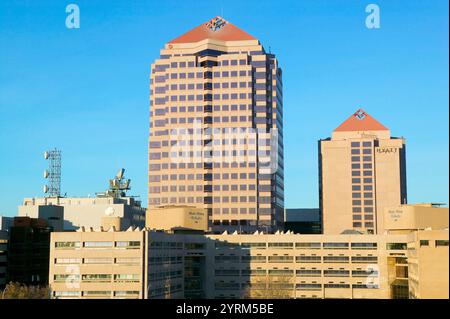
(216, 29)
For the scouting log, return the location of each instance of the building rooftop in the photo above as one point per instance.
(218, 29)
(360, 121)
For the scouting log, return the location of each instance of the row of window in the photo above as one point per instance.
(118, 260)
(306, 245)
(437, 243)
(299, 273)
(199, 165)
(360, 224)
(303, 286)
(298, 259)
(97, 277)
(68, 294)
(98, 244)
(364, 144)
(200, 176)
(364, 158)
(201, 188)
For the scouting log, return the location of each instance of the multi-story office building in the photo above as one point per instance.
(362, 170)
(4, 235)
(181, 264)
(28, 251)
(216, 128)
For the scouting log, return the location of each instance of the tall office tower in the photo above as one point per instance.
(216, 132)
(362, 170)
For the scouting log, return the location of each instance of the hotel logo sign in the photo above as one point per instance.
(387, 150)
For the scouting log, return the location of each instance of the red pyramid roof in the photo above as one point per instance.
(360, 121)
(218, 29)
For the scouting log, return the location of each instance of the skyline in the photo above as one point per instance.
(85, 168)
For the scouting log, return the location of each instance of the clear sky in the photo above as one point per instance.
(86, 90)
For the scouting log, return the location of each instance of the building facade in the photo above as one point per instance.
(5, 223)
(4, 235)
(28, 251)
(179, 264)
(87, 264)
(83, 211)
(216, 128)
(361, 171)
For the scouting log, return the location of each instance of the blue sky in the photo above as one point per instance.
(86, 91)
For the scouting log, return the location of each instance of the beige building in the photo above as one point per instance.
(179, 264)
(427, 229)
(172, 217)
(407, 218)
(99, 264)
(362, 171)
(428, 264)
(83, 211)
(216, 126)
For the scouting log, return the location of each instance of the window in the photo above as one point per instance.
(335, 245)
(332, 285)
(128, 261)
(307, 245)
(335, 259)
(281, 245)
(96, 278)
(97, 260)
(336, 273)
(308, 259)
(102, 293)
(396, 246)
(309, 286)
(98, 244)
(281, 259)
(424, 243)
(309, 272)
(126, 293)
(62, 294)
(364, 245)
(364, 259)
(66, 278)
(128, 244)
(67, 244)
(126, 278)
(441, 243)
(67, 261)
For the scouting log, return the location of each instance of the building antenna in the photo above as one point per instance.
(53, 173)
(221, 9)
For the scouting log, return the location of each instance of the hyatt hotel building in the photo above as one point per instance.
(216, 128)
(362, 170)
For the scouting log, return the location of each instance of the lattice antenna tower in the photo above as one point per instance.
(53, 173)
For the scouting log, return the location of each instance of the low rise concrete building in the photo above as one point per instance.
(178, 264)
(85, 211)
